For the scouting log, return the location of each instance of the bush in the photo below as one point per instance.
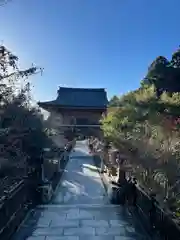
(21, 125)
(145, 126)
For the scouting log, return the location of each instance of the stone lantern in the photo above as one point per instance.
(112, 160)
(113, 156)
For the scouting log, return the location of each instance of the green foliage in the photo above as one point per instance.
(22, 130)
(146, 124)
(164, 74)
(114, 101)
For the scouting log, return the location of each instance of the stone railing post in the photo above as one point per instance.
(121, 168)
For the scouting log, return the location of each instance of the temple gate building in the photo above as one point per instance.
(76, 110)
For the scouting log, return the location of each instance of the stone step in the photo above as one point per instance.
(80, 215)
(83, 211)
(79, 206)
(79, 222)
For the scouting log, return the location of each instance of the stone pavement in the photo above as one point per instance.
(80, 209)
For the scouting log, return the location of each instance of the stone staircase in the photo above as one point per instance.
(80, 209)
(79, 222)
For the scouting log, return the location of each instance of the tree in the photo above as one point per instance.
(25, 135)
(146, 129)
(114, 101)
(175, 61)
(164, 74)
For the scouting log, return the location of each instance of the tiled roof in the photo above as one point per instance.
(81, 97)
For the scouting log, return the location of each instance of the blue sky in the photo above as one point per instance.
(89, 43)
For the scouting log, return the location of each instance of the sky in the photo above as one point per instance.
(89, 43)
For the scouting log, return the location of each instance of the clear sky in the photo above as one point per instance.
(90, 43)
